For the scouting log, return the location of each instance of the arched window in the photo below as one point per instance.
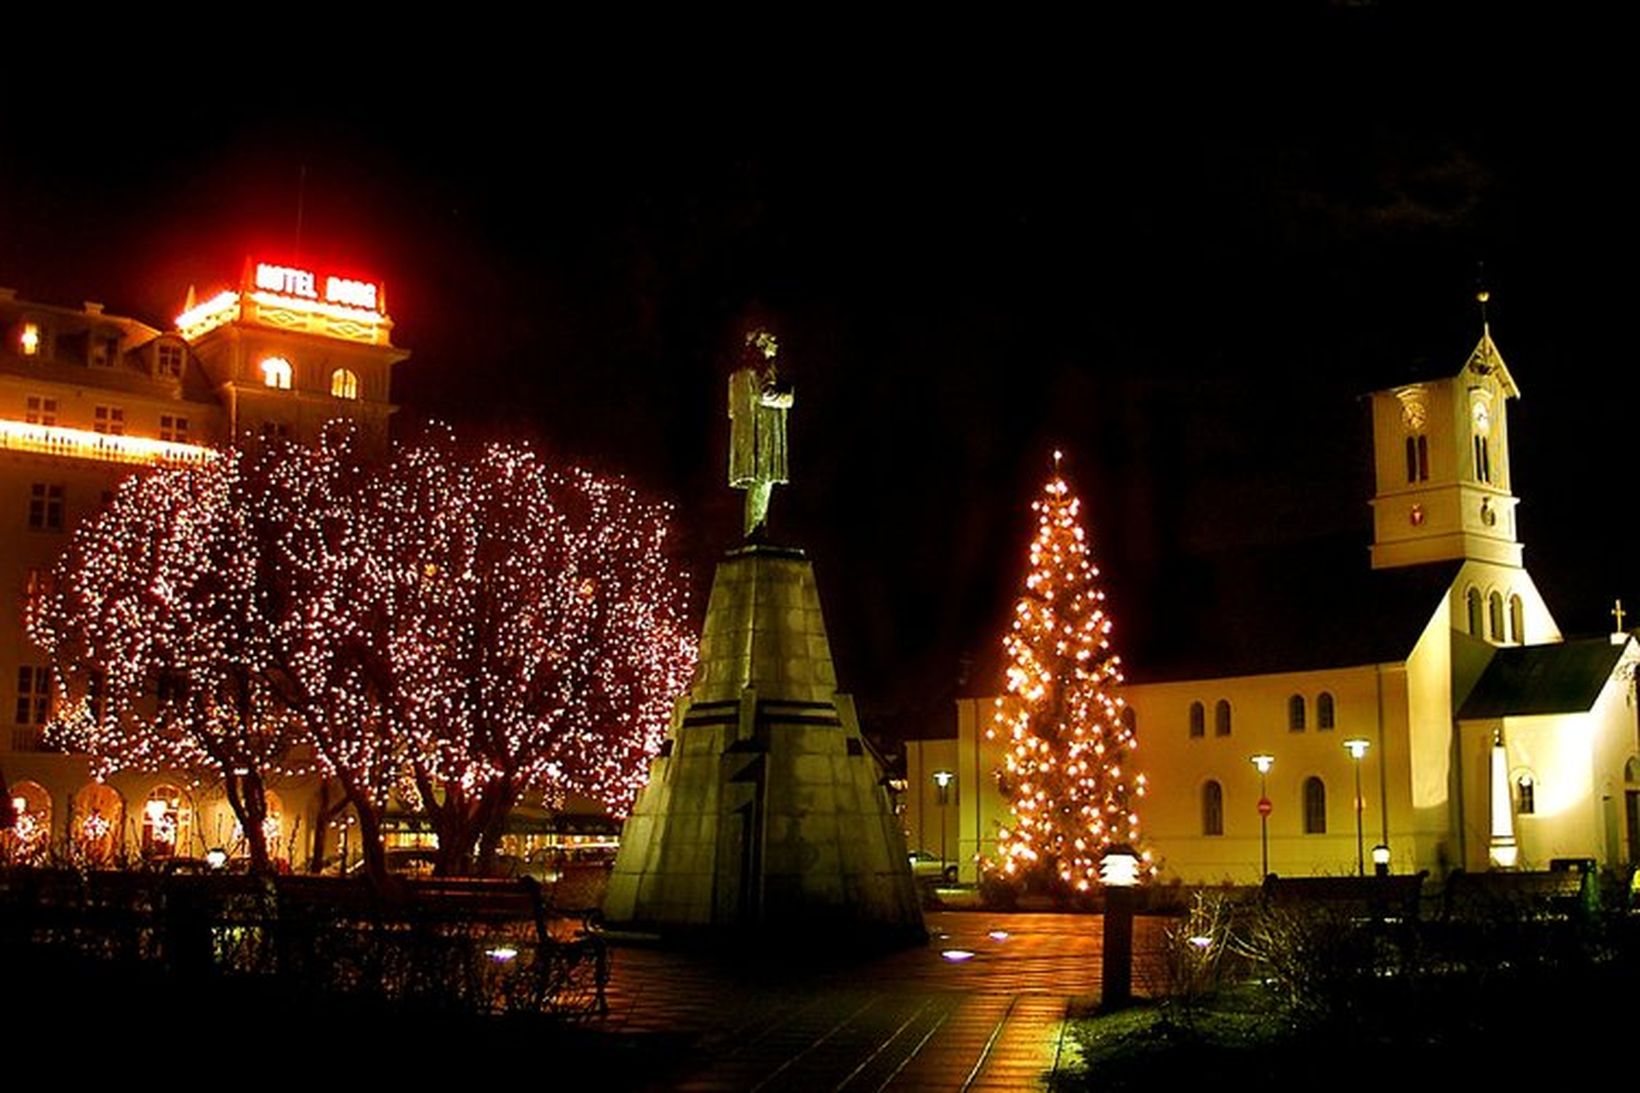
(1315, 806)
(29, 835)
(1423, 458)
(1198, 720)
(1221, 717)
(1517, 621)
(1295, 714)
(1631, 770)
(1472, 601)
(166, 822)
(276, 373)
(1130, 720)
(1483, 460)
(1212, 808)
(1494, 612)
(1525, 795)
(95, 823)
(344, 384)
(1324, 710)
(1412, 460)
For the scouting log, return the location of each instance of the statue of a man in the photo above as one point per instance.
(758, 402)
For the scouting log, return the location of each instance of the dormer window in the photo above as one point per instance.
(276, 373)
(168, 360)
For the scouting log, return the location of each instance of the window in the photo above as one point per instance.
(1494, 613)
(168, 358)
(165, 822)
(1221, 718)
(1295, 714)
(1525, 795)
(29, 836)
(39, 410)
(33, 695)
(1472, 601)
(1417, 458)
(109, 420)
(1483, 460)
(173, 428)
(45, 507)
(1315, 806)
(28, 339)
(1324, 710)
(1198, 720)
(1517, 621)
(344, 384)
(95, 822)
(276, 373)
(1212, 808)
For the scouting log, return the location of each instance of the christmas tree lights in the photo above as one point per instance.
(1066, 771)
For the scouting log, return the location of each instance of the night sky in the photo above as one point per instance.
(1178, 252)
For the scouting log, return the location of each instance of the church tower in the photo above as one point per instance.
(1441, 457)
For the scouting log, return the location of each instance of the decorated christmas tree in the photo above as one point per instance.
(1066, 763)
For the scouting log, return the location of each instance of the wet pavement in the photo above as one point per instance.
(912, 1020)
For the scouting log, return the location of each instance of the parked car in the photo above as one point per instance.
(926, 866)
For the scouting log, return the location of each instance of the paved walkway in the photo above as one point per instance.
(913, 1020)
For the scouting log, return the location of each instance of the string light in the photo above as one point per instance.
(1064, 768)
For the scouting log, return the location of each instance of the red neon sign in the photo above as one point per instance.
(304, 284)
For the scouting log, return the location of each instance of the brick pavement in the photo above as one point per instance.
(912, 1020)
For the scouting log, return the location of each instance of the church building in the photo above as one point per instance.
(1416, 704)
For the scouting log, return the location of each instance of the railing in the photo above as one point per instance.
(58, 440)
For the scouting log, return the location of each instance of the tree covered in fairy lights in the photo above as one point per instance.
(1065, 767)
(159, 638)
(453, 628)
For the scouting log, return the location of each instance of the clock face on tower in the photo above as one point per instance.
(1483, 417)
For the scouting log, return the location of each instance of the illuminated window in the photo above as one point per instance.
(165, 823)
(1517, 621)
(1494, 615)
(109, 420)
(276, 373)
(1295, 714)
(1221, 718)
(33, 695)
(1324, 710)
(45, 507)
(173, 428)
(168, 358)
(1472, 602)
(1198, 720)
(344, 384)
(39, 410)
(1525, 795)
(29, 339)
(95, 822)
(1212, 809)
(29, 836)
(1315, 806)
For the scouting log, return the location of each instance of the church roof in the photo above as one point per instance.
(1566, 677)
(1294, 608)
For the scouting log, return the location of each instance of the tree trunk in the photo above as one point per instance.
(250, 807)
(499, 799)
(323, 814)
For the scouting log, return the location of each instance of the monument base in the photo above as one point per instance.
(766, 810)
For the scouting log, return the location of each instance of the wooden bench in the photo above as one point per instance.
(1551, 893)
(1380, 899)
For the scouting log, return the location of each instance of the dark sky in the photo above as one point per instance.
(1179, 252)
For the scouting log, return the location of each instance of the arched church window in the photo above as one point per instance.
(1324, 710)
(1198, 720)
(1472, 601)
(1221, 718)
(1525, 795)
(1517, 621)
(1212, 808)
(1315, 806)
(1483, 460)
(1295, 714)
(1494, 611)
(1631, 770)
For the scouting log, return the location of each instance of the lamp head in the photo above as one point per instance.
(1264, 762)
(1357, 747)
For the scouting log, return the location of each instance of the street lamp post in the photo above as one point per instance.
(943, 779)
(1357, 747)
(1263, 762)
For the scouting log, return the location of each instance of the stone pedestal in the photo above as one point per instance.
(765, 809)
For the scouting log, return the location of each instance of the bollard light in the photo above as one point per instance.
(1119, 868)
(1380, 860)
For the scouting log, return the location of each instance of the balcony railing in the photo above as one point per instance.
(57, 440)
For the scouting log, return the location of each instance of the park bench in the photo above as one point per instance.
(1392, 898)
(1552, 893)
